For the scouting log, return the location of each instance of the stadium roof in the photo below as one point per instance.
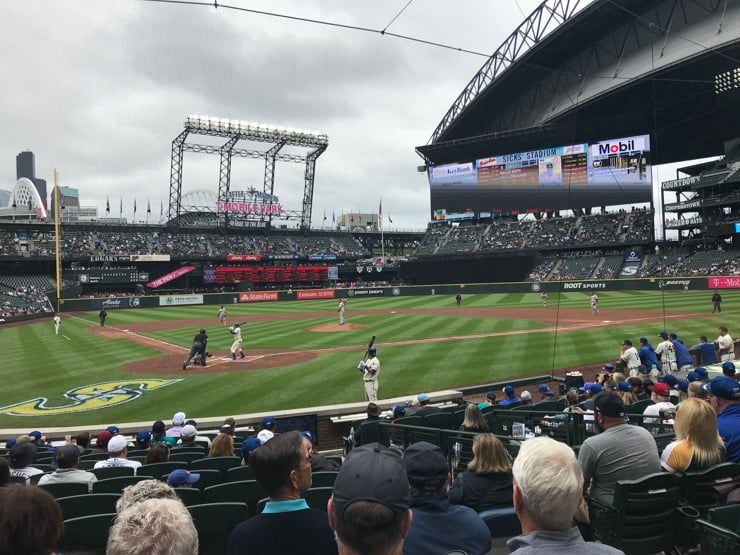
(616, 68)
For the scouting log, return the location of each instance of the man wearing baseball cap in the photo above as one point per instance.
(545, 391)
(630, 357)
(647, 355)
(369, 509)
(660, 395)
(510, 398)
(181, 478)
(724, 396)
(619, 452)
(728, 368)
(68, 459)
(667, 353)
(117, 450)
(438, 526)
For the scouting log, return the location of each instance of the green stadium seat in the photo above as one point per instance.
(239, 473)
(189, 496)
(88, 504)
(702, 489)
(246, 491)
(317, 497)
(155, 470)
(87, 531)
(66, 490)
(642, 518)
(112, 472)
(324, 478)
(214, 522)
(185, 456)
(116, 485)
(222, 464)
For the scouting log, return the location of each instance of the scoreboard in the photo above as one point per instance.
(272, 274)
(109, 275)
(599, 173)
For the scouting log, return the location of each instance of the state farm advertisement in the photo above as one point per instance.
(160, 281)
(315, 294)
(724, 283)
(243, 258)
(258, 296)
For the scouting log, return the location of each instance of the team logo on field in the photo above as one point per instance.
(89, 397)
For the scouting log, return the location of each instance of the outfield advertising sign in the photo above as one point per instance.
(258, 296)
(724, 282)
(307, 294)
(179, 300)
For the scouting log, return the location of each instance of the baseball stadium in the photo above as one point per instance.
(544, 253)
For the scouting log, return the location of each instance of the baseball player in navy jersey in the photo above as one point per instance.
(236, 331)
(370, 369)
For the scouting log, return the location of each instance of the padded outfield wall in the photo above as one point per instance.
(648, 284)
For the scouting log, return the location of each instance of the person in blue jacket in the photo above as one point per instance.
(647, 355)
(683, 357)
(510, 397)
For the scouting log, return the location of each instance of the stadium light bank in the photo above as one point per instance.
(255, 131)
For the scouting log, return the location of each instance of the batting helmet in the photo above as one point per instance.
(202, 330)
(372, 351)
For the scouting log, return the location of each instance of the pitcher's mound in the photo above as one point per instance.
(336, 327)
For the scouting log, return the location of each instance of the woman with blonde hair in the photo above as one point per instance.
(222, 446)
(473, 421)
(697, 444)
(624, 390)
(488, 480)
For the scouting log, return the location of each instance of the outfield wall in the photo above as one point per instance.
(587, 286)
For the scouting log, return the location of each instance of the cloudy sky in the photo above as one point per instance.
(98, 90)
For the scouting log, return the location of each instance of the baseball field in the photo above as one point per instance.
(298, 356)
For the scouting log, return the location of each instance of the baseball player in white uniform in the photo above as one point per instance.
(236, 331)
(594, 304)
(725, 344)
(342, 306)
(222, 316)
(57, 321)
(630, 357)
(370, 369)
(667, 353)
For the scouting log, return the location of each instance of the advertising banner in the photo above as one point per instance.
(724, 282)
(170, 277)
(179, 300)
(315, 294)
(258, 296)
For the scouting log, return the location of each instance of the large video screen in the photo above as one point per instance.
(601, 173)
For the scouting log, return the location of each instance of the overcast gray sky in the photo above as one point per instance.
(98, 90)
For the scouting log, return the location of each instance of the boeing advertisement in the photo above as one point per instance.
(600, 173)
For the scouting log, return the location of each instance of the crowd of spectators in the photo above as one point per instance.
(385, 499)
(22, 301)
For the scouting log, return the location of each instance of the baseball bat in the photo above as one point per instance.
(369, 345)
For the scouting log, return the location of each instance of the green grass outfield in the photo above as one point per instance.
(39, 364)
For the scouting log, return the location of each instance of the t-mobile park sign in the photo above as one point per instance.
(249, 207)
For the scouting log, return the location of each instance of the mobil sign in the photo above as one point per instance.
(615, 147)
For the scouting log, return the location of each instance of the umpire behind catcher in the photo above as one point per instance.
(198, 349)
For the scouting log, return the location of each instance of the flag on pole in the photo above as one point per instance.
(333, 217)
(148, 207)
(134, 207)
(120, 212)
(107, 205)
(389, 218)
(380, 214)
(351, 216)
(161, 208)
(324, 214)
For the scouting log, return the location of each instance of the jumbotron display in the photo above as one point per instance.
(601, 173)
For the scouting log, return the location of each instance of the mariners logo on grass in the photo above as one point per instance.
(89, 397)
